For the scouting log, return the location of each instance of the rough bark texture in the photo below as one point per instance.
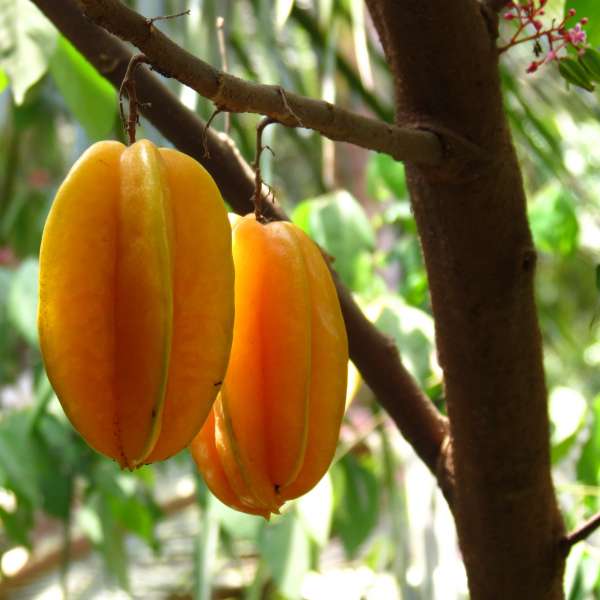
(480, 262)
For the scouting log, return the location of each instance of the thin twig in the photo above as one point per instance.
(224, 64)
(581, 533)
(257, 199)
(206, 130)
(128, 87)
(151, 20)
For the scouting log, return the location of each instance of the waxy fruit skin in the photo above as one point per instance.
(136, 299)
(274, 427)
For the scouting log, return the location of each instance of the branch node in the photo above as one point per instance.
(288, 108)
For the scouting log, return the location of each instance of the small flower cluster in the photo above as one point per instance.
(557, 36)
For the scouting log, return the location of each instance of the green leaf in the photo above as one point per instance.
(27, 39)
(315, 510)
(573, 72)
(356, 492)
(554, 222)
(588, 468)
(591, 62)
(385, 177)
(285, 547)
(283, 8)
(411, 328)
(18, 463)
(338, 223)
(89, 96)
(23, 300)
(3, 81)
(568, 410)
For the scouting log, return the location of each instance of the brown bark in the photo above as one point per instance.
(480, 262)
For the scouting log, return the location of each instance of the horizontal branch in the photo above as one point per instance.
(230, 93)
(372, 352)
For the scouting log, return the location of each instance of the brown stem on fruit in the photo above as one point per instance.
(131, 121)
(580, 534)
(257, 198)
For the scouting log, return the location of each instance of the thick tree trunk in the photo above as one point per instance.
(480, 261)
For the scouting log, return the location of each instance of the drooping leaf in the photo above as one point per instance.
(315, 510)
(356, 491)
(554, 222)
(591, 62)
(573, 72)
(27, 39)
(568, 410)
(3, 81)
(338, 223)
(23, 300)
(283, 8)
(285, 548)
(89, 96)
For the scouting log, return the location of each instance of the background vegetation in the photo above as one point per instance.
(342, 539)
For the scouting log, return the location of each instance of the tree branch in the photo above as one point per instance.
(229, 93)
(581, 533)
(373, 353)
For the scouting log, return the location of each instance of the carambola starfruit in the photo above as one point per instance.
(136, 299)
(273, 429)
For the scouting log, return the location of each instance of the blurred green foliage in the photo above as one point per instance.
(376, 517)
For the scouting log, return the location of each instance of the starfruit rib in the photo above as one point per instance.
(329, 350)
(205, 454)
(143, 299)
(202, 302)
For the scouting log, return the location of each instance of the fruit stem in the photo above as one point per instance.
(257, 199)
(131, 121)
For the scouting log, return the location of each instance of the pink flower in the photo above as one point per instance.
(577, 35)
(551, 56)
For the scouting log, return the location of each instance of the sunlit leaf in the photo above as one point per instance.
(23, 299)
(411, 328)
(554, 222)
(567, 415)
(89, 96)
(573, 72)
(339, 224)
(385, 177)
(285, 548)
(361, 50)
(27, 39)
(315, 510)
(283, 8)
(3, 81)
(356, 492)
